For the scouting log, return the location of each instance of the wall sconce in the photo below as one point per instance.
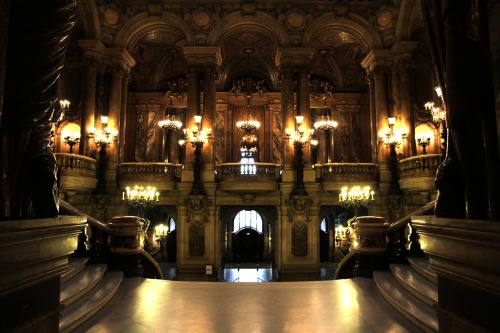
(424, 141)
(300, 137)
(196, 135)
(393, 140)
(71, 139)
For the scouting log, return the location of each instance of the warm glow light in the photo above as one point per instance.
(392, 120)
(161, 230)
(64, 103)
(140, 196)
(104, 120)
(197, 119)
(299, 120)
(356, 196)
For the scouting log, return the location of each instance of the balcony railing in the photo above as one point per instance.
(76, 171)
(161, 175)
(248, 177)
(418, 173)
(335, 175)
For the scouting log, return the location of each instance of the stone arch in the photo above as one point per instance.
(89, 19)
(409, 13)
(260, 21)
(353, 24)
(144, 21)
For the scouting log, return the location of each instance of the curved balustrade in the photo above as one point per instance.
(419, 172)
(420, 165)
(76, 172)
(236, 176)
(76, 165)
(161, 175)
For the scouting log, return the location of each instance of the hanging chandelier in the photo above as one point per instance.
(171, 121)
(325, 122)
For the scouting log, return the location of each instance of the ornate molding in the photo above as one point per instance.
(299, 208)
(197, 208)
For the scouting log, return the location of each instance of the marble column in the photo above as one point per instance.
(381, 106)
(373, 118)
(93, 58)
(193, 107)
(406, 111)
(209, 109)
(123, 117)
(287, 102)
(303, 104)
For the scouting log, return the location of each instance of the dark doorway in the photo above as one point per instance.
(323, 246)
(248, 246)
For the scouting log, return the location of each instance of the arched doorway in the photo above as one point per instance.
(248, 237)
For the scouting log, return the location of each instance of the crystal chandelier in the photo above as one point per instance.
(356, 197)
(325, 122)
(248, 124)
(171, 121)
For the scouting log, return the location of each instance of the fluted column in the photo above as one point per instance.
(93, 57)
(119, 62)
(303, 104)
(287, 111)
(402, 65)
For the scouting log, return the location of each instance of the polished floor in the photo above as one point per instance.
(150, 306)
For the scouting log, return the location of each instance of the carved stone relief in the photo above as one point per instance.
(298, 214)
(146, 143)
(197, 215)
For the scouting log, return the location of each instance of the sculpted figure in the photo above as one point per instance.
(468, 179)
(37, 42)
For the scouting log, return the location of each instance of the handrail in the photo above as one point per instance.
(92, 221)
(256, 169)
(348, 171)
(406, 219)
(345, 267)
(147, 257)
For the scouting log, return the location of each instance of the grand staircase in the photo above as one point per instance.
(85, 289)
(411, 289)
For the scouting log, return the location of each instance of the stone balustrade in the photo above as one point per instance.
(336, 175)
(76, 172)
(236, 176)
(161, 175)
(418, 173)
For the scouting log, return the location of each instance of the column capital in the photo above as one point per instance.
(294, 56)
(403, 53)
(377, 59)
(92, 48)
(202, 55)
(119, 58)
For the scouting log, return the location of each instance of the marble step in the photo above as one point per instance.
(421, 265)
(81, 283)
(84, 308)
(75, 266)
(415, 283)
(414, 310)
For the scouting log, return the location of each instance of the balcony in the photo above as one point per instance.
(336, 175)
(76, 172)
(163, 176)
(248, 177)
(418, 173)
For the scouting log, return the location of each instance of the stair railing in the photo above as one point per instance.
(402, 241)
(94, 242)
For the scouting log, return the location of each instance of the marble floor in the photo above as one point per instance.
(149, 306)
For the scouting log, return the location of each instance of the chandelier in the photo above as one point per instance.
(356, 197)
(140, 197)
(325, 122)
(171, 121)
(393, 140)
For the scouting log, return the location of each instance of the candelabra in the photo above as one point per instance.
(71, 139)
(161, 233)
(438, 115)
(198, 137)
(141, 199)
(393, 141)
(299, 138)
(424, 142)
(103, 138)
(356, 197)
